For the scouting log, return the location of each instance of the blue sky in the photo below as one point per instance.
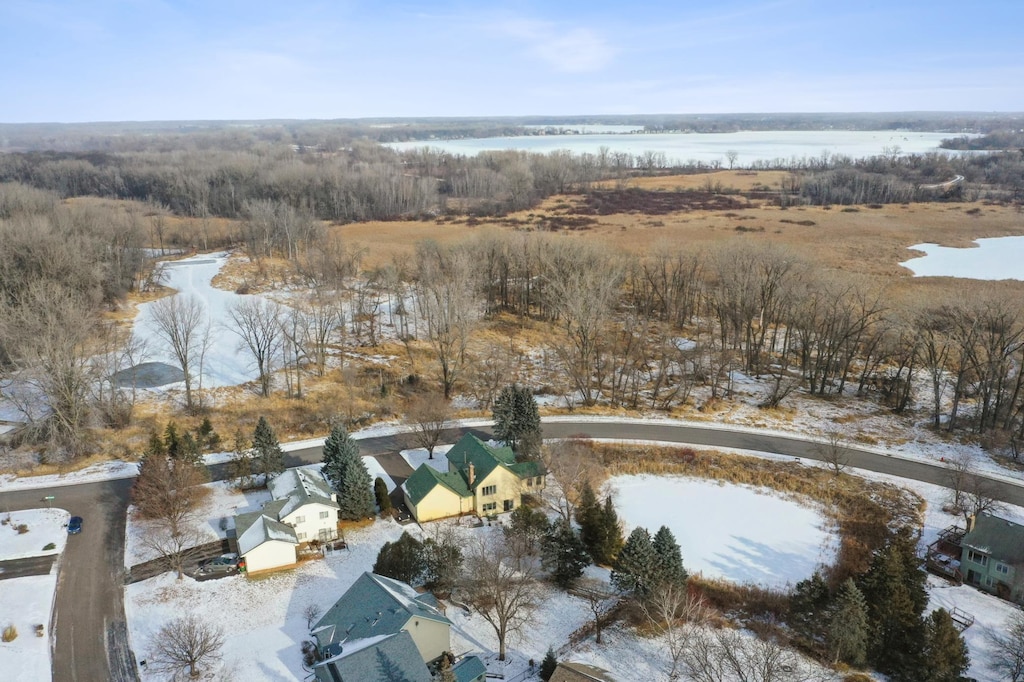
(111, 60)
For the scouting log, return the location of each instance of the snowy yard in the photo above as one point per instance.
(27, 602)
(417, 456)
(739, 533)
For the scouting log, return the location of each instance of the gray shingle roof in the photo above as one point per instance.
(255, 528)
(469, 669)
(388, 658)
(374, 605)
(1001, 539)
(298, 487)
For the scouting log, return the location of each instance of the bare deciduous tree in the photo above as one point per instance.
(674, 613)
(174, 544)
(501, 586)
(1007, 647)
(182, 324)
(724, 655)
(185, 644)
(257, 322)
(571, 463)
(832, 451)
(599, 597)
(429, 413)
(449, 304)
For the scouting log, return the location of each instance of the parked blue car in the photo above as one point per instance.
(75, 525)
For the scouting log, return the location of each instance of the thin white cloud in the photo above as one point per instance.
(566, 49)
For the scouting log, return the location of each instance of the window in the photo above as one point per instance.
(300, 519)
(490, 506)
(1002, 568)
(509, 505)
(977, 557)
(489, 490)
(325, 515)
(301, 536)
(529, 482)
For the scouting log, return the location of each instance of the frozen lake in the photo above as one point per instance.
(750, 146)
(992, 259)
(728, 531)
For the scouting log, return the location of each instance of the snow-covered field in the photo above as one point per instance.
(27, 602)
(739, 533)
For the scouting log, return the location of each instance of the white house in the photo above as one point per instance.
(304, 509)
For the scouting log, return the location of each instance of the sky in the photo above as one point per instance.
(120, 60)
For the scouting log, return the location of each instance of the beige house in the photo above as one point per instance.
(304, 509)
(480, 479)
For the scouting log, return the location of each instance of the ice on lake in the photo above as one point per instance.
(733, 532)
(992, 259)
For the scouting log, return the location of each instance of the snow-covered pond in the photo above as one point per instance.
(996, 258)
(734, 532)
(223, 364)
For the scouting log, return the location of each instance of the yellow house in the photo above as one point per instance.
(481, 480)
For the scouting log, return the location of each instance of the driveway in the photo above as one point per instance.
(19, 568)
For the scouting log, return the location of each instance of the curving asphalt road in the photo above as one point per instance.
(89, 624)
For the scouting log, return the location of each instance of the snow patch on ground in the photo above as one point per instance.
(377, 471)
(27, 602)
(739, 533)
(417, 456)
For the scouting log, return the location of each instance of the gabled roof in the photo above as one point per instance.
(426, 477)
(298, 487)
(374, 605)
(376, 659)
(484, 458)
(255, 528)
(527, 469)
(1001, 539)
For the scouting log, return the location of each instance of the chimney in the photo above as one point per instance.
(472, 474)
(970, 522)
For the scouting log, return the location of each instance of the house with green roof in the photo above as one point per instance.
(479, 479)
(383, 629)
(992, 556)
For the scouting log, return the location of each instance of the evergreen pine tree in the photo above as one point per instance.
(156, 446)
(635, 568)
(588, 517)
(188, 451)
(527, 527)
(945, 655)
(563, 554)
(669, 558)
(548, 665)
(355, 492)
(207, 436)
(442, 558)
(847, 632)
(241, 466)
(401, 559)
(172, 442)
(517, 421)
(380, 492)
(897, 634)
(809, 600)
(609, 534)
(339, 451)
(269, 458)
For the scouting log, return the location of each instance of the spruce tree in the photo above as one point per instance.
(945, 655)
(189, 450)
(517, 421)
(172, 441)
(669, 558)
(401, 559)
(563, 554)
(609, 534)
(156, 446)
(548, 665)
(269, 458)
(588, 517)
(527, 527)
(847, 631)
(636, 566)
(355, 494)
(339, 451)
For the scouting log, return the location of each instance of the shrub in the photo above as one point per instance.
(49, 546)
(22, 528)
(10, 633)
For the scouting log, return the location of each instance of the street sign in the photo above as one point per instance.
(49, 497)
